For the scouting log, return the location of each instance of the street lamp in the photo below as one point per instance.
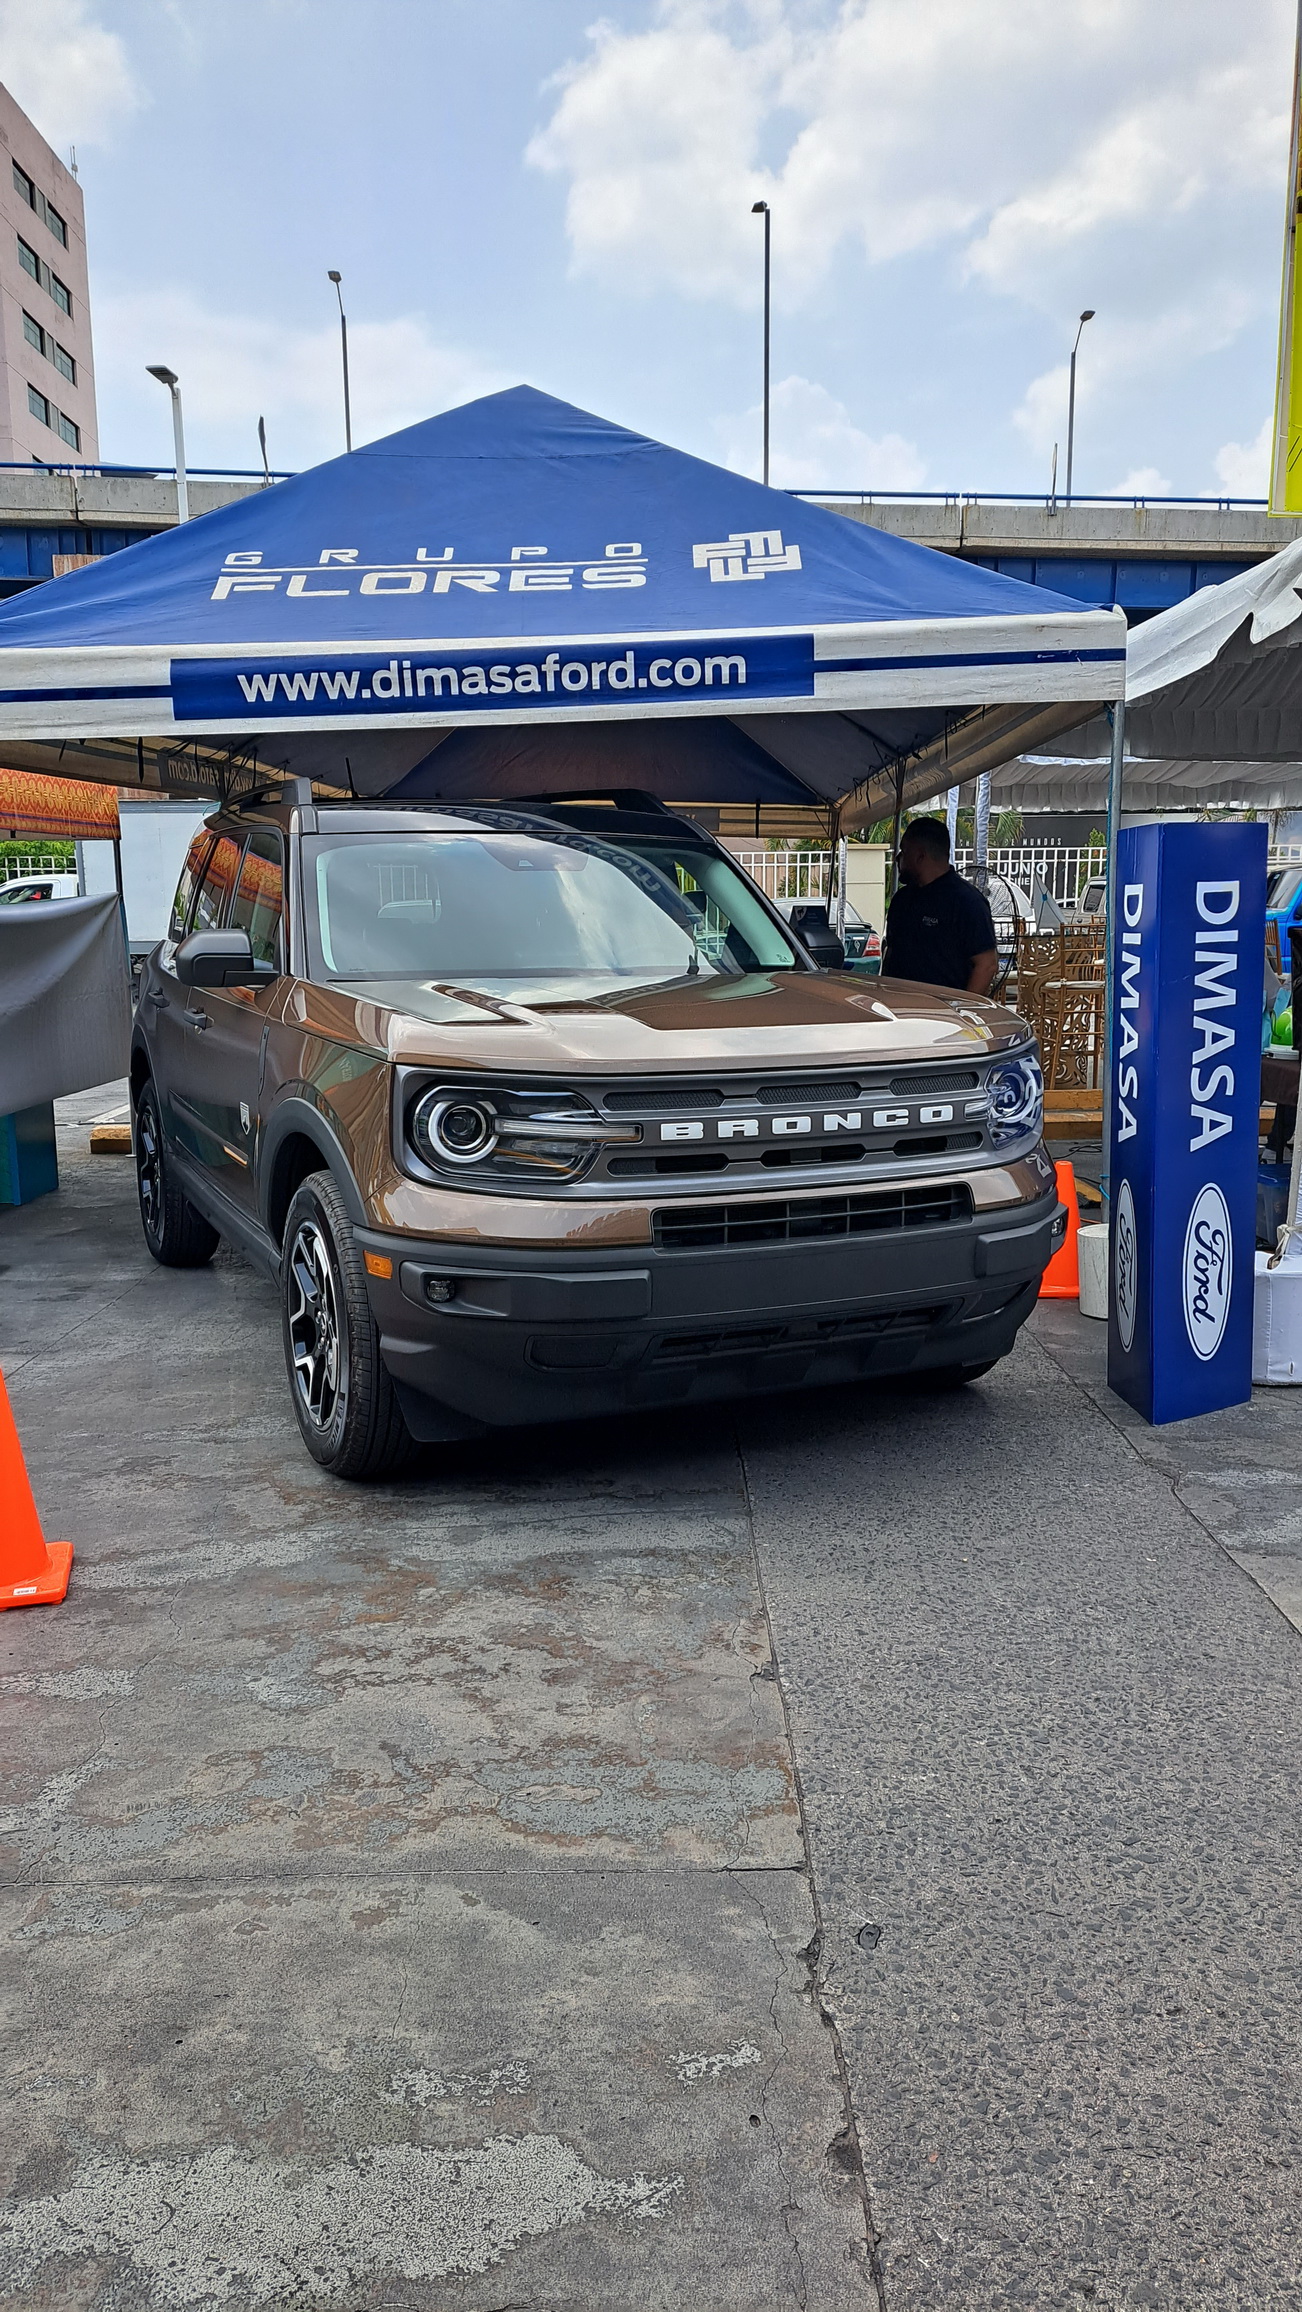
(168, 377)
(337, 278)
(761, 209)
(1087, 315)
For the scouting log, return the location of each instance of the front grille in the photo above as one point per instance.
(798, 1095)
(800, 1156)
(951, 1080)
(661, 1100)
(752, 1340)
(791, 1220)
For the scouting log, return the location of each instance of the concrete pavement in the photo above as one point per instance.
(637, 1867)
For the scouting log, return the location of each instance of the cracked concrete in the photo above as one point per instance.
(379, 1861)
(859, 1875)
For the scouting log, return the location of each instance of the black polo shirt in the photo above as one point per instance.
(932, 934)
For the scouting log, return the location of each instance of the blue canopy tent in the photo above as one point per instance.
(519, 598)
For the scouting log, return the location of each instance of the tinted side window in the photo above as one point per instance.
(259, 897)
(217, 884)
(190, 874)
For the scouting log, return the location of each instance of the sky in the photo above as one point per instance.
(529, 190)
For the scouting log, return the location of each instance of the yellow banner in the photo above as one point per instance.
(1286, 455)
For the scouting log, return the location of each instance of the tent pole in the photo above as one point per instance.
(894, 879)
(1116, 766)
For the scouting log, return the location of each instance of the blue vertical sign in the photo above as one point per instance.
(1188, 933)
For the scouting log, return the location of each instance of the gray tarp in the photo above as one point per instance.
(65, 999)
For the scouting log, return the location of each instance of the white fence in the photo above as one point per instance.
(788, 874)
(35, 863)
(806, 874)
(1064, 871)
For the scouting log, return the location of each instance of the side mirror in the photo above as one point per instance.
(218, 959)
(813, 930)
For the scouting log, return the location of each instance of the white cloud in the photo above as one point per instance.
(1011, 132)
(815, 444)
(234, 369)
(1243, 468)
(67, 71)
(1141, 482)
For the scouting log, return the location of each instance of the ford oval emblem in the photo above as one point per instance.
(1208, 1272)
(1125, 1267)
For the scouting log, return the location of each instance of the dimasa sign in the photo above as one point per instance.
(1189, 932)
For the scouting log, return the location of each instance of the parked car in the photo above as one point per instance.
(535, 1113)
(20, 890)
(861, 947)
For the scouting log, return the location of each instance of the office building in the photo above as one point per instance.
(47, 403)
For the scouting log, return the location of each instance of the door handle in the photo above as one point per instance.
(197, 1019)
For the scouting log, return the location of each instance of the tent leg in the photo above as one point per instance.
(981, 830)
(893, 879)
(1116, 766)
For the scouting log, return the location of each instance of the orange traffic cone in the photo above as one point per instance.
(33, 1572)
(1061, 1280)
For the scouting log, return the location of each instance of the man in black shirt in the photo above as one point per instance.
(939, 928)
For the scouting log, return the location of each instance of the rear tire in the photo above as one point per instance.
(344, 1400)
(177, 1235)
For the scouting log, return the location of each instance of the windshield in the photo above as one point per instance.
(532, 911)
(1281, 887)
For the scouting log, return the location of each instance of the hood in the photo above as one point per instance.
(763, 1019)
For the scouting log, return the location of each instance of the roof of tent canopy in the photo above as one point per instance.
(1213, 709)
(517, 568)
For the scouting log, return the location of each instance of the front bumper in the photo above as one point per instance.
(500, 1337)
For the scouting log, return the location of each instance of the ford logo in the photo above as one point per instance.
(1208, 1272)
(1125, 1267)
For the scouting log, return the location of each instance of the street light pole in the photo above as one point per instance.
(337, 278)
(1087, 315)
(761, 209)
(168, 377)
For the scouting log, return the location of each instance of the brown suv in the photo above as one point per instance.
(541, 1112)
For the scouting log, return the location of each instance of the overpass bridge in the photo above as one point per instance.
(1141, 553)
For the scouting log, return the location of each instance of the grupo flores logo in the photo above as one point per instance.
(1208, 1272)
(1125, 1266)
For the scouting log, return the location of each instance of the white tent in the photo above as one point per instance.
(1213, 709)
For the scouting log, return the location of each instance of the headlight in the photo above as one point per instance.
(1016, 1092)
(501, 1132)
(450, 1130)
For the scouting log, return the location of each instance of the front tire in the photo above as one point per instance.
(344, 1401)
(177, 1235)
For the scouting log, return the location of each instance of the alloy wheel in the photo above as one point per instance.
(149, 1169)
(318, 1346)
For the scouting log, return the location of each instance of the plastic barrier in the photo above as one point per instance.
(1061, 1279)
(33, 1572)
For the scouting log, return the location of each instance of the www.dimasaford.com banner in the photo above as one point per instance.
(758, 666)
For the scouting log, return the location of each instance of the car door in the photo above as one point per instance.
(223, 1111)
(162, 997)
(184, 1022)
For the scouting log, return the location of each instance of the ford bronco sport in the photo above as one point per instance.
(543, 1111)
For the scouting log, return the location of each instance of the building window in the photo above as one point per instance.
(35, 199)
(70, 431)
(49, 346)
(50, 282)
(38, 405)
